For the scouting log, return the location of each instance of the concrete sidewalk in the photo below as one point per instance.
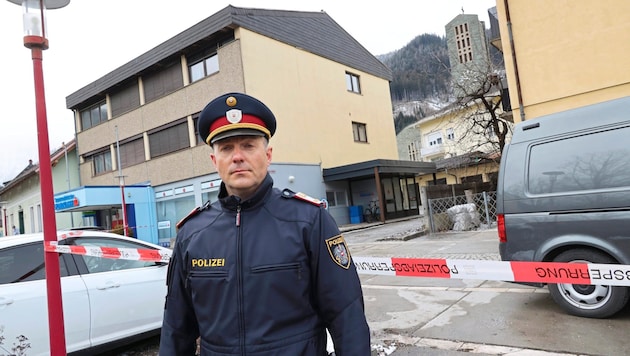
(403, 229)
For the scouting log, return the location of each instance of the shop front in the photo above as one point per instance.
(386, 189)
(102, 207)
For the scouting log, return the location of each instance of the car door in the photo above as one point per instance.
(126, 296)
(23, 302)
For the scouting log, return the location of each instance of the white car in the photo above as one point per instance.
(106, 302)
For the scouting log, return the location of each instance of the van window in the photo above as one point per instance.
(600, 160)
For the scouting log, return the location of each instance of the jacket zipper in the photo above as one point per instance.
(239, 267)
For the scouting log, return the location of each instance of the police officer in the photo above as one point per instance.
(260, 271)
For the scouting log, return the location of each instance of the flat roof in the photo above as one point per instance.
(367, 169)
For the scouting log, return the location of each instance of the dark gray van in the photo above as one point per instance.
(563, 195)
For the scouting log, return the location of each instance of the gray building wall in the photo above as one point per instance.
(479, 65)
(408, 135)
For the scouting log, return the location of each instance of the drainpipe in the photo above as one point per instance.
(451, 174)
(519, 95)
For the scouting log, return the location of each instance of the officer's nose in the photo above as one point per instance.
(237, 154)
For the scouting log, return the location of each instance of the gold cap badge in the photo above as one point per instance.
(230, 101)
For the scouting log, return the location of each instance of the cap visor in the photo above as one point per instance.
(236, 132)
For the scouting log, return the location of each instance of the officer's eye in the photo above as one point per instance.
(226, 148)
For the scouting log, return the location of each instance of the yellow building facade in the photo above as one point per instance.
(308, 95)
(564, 54)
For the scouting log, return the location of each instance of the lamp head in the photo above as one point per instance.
(50, 4)
(34, 20)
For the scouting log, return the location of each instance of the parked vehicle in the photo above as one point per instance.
(106, 302)
(564, 196)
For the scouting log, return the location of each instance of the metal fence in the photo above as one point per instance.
(485, 211)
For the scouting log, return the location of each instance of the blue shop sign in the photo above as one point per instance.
(65, 202)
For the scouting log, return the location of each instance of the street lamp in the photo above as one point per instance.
(35, 39)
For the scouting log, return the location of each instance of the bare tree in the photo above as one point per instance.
(478, 93)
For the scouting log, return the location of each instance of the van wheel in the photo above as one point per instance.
(588, 301)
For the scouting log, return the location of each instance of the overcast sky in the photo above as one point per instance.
(90, 38)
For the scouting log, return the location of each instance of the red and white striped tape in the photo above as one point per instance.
(110, 252)
(508, 271)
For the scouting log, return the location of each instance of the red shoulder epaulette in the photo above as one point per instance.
(181, 222)
(288, 193)
(307, 198)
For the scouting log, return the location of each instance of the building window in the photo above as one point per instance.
(94, 115)
(414, 151)
(163, 82)
(204, 67)
(450, 134)
(172, 211)
(132, 152)
(434, 139)
(40, 224)
(198, 137)
(359, 131)
(169, 139)
(102, 162)
(490, 132)
(352, 83)
(462, 38)
(32, 212)
(336, 198)
(125, 99)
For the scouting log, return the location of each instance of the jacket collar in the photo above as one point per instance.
(232, 201)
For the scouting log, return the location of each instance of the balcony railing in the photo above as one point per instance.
(432, 150)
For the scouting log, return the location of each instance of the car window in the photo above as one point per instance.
(25, 263)
(100, 264)
(599, 160)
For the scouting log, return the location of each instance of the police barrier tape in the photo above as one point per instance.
(110, 252)
(507, 271)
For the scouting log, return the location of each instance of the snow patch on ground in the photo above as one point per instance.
(384, 350)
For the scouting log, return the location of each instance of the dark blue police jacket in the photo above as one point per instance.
(264, 276)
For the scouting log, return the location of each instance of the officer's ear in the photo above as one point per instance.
(269, 151)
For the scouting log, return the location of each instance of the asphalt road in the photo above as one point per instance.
(434, 316)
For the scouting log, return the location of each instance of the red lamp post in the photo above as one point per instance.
(35, 40)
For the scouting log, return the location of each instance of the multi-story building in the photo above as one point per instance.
(445, 138)
(561, 55)
(335, 139)
(21, 199)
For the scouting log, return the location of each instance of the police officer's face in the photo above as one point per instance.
(242, 163)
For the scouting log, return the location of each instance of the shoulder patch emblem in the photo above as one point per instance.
(338, 251)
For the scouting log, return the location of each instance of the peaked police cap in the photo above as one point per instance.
(235, 114)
